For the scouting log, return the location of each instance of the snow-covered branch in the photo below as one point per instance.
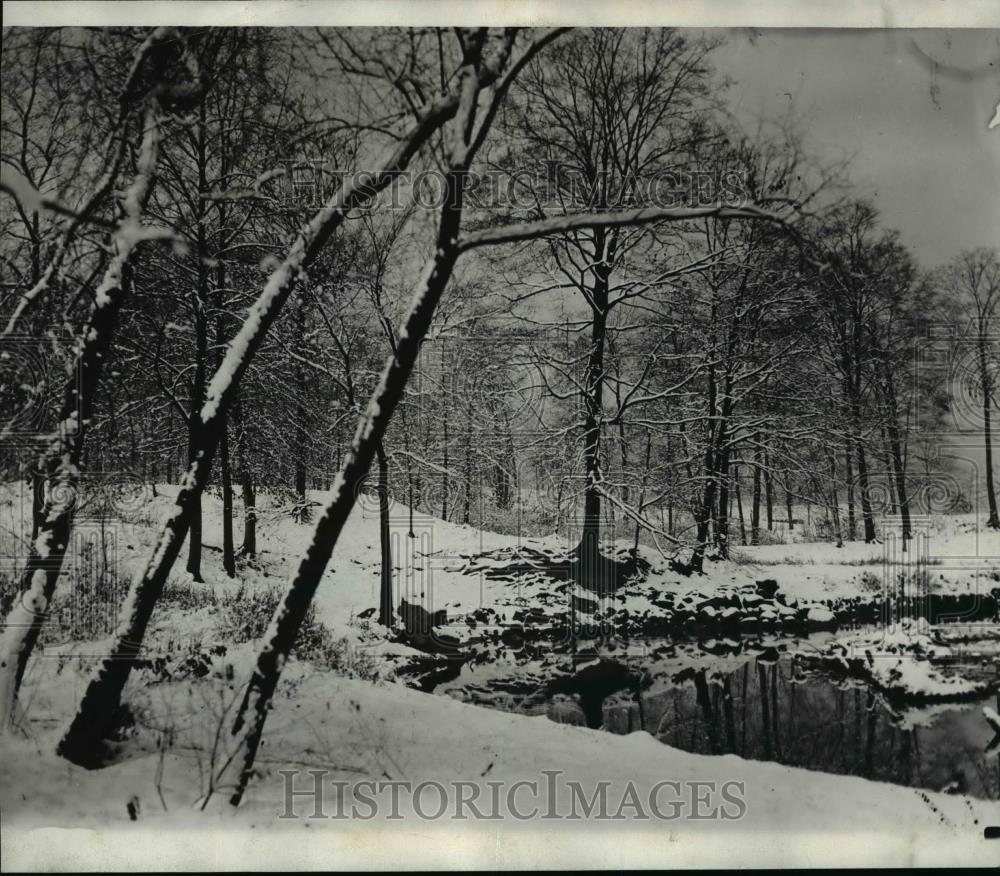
(60, 459)
(520, 231)
(33, 201)
(104, 690)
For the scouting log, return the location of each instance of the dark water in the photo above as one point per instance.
(777, 710)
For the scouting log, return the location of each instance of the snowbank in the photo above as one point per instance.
(361, 730)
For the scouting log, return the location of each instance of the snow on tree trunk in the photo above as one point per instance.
(80, 743)
(104, 185)
(283, 631)
(60, 460)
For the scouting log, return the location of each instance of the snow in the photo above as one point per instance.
(279, 283)
(389, 731)
(275, 290)
(888, 658)
(372, 730)
(960, 556)
(17, 184)
(820, 615)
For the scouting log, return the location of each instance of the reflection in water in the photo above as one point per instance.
(775, 711)
(766, 707)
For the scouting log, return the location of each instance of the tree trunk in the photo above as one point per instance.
(866, 505)
(409, 473)
(788, 506)
(859, 445)
(467, 486)
(898, 464)
(103, 694)
(301, 437)
(623, 455)
(228, 551)
(385, 611)
(444, 485)
(249, 494)
(37, 498)
(444, 440)
(249, 548)
(739, 505)
(60, 460)
(768, 493)
(986, 381)
(194, 536)
(288, 619)
(200, 301)
(755, 508)
(722, 468)
(835, 507)
(705, 510)
(225, 469)
(852, 528)
(887, 462)
(642, 490)
(588, 550)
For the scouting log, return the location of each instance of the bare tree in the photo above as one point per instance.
(80, 743)
(975, 275)
(60, 460)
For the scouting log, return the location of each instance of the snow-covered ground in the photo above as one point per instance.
(381, 731)
(959, 554)
(370, 728)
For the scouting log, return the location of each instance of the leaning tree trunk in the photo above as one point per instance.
(284, 629)
(80, 743)
(59, 461)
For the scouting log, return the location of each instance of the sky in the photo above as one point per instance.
(912, 109)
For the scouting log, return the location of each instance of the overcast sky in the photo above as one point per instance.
(912, 107)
